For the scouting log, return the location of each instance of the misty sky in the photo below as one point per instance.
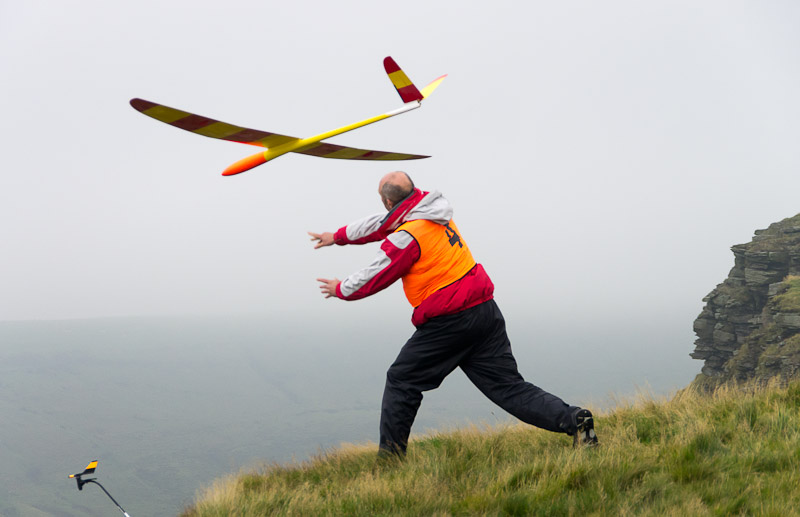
(601, 157)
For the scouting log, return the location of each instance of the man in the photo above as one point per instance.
(458, 322)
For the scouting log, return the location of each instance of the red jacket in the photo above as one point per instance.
(399, 251)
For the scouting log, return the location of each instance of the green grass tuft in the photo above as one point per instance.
(789, 299)
(733, 452)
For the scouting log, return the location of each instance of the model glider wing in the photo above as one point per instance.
(320, 149)
(208, 126)
(326, 150)
(275, 143)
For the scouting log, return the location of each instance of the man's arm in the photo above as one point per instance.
(396, 256)
(372, 228)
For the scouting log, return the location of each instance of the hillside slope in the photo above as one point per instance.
(732, 452)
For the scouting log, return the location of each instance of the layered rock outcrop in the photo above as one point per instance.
(750, 326)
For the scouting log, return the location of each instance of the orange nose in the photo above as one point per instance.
(246, 164)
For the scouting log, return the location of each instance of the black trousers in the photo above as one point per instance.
(474, 340)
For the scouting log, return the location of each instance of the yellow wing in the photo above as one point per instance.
(326, 150)
(222, 130)
(208, 126)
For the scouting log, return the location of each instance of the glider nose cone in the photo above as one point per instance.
(246, 164)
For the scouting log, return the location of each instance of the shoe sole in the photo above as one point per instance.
(585, 436)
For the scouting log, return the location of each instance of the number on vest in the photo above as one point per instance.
(453, 236)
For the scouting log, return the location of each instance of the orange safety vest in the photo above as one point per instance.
(444, 258)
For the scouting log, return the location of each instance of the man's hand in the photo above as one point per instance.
(322, 239)
(328, 287)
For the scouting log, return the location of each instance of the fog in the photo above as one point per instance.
(601, 158)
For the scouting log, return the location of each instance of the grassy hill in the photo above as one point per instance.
(735, 452)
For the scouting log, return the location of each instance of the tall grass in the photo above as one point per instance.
(732, 452)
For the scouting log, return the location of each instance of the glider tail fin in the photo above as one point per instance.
(88, 470)
(408, 92)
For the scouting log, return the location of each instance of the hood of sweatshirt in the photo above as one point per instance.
(433, 207)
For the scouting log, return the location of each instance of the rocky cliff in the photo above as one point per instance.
(750, 326)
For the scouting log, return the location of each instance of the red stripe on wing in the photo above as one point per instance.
(248, 135)
(142, 105)
(321, 149)
(192, 122)
(372, 155)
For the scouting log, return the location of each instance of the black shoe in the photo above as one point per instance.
(584, 424)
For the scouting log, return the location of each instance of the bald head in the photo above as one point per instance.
(394, 187)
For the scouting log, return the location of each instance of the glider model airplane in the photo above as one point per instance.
(90, 468)
(277, 145)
